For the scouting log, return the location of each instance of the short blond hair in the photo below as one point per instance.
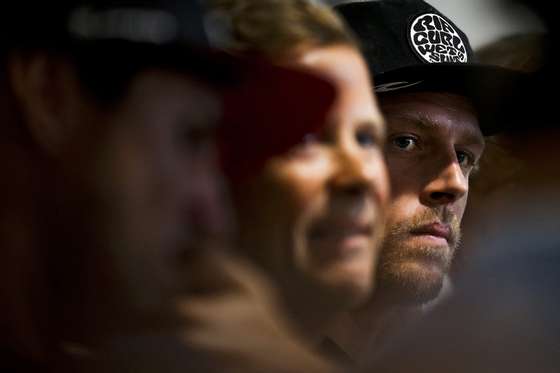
(275, 28)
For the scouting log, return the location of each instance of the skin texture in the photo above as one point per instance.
(314, 216)
(434, 144)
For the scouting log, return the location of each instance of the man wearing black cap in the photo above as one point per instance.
(437, 105)
(110, 190)
(503, 316)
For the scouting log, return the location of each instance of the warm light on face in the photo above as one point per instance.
(317, 210)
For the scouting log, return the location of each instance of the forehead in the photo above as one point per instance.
(346, 69)
(341, 64)
(440, 113)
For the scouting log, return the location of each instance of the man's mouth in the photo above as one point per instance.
(437, 231)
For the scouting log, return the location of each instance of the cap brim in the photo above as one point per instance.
(488, 87)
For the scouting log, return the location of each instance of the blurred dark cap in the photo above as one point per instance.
(138, 32)
(267, 108)
(411, 46)
(153, 22)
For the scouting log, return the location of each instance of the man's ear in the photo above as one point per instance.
(50, 97)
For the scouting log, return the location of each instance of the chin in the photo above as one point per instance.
(349, 286)
(411, 282)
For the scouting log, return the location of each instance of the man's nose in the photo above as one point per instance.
(449, 185)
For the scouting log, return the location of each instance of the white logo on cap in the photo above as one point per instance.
(435, 40)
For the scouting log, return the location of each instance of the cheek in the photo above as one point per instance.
(378, 176)
(460, 206)
(403, 180)
(134, 186)
(301, 199)
(301, 185)
(401, 208)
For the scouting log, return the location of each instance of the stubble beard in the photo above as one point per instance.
(413, 274)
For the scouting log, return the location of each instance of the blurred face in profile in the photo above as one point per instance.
(315, 214)
(156, 188)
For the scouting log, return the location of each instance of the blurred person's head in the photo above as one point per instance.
(120, 155)
(313, 217)
(109, 117)
(435, 99)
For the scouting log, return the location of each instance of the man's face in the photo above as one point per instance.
(157, 187)
(434, 144)
(315, 215)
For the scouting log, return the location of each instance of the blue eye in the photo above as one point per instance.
(406, 143)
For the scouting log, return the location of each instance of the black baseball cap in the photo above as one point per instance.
(411, 46)
(278, 106)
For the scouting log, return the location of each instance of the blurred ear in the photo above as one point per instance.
(49, 94)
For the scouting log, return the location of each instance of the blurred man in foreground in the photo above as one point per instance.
(112, 206)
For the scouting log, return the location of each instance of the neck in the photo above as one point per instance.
(364, 332)
(311, 309)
